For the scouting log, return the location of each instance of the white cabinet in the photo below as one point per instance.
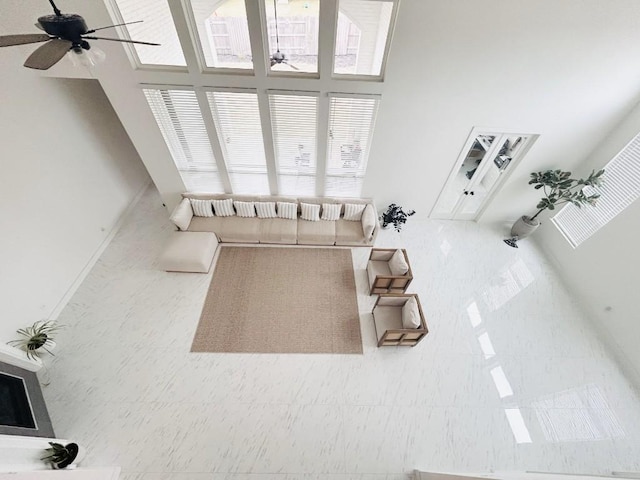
(481, 168)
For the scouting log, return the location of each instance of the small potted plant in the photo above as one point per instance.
(36, 338)
(61, 456)
(559, 188)
(396, 216)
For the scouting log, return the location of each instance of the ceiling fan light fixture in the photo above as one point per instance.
(79, 56)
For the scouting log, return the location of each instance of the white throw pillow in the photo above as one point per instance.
(182, 214)
(266, 209)
(411, 314)
(368, 221)
(353, 211)
(331, 211)
(397, 264)
(224, 208)
(245, 209)
(201, 208)
(288, 210)
(310, 212)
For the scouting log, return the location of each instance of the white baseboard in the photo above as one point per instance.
(55, 313)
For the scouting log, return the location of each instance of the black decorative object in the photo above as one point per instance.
(61, 456)
(396, 216)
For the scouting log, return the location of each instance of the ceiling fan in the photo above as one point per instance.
(278, 57)
(63, 32)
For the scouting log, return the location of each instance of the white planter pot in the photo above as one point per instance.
(524, 227)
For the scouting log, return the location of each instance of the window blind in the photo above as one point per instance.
(180, 121)
(157, 27)
(294, 126)
(237, 119)
(351, 123)
(619, 189)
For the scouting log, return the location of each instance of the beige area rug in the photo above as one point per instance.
(280, 300)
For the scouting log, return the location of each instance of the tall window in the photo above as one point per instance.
(619, 189)
(351, 122)
(237, 120)
(294, 125)
(180, 121)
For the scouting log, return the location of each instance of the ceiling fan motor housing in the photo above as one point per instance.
(66, 26)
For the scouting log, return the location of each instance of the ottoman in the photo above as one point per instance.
(189, 252)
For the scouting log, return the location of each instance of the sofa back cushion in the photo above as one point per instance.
(202, 208)
(182, 214)
(368, 221)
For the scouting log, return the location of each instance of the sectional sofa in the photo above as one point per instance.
(279, 220)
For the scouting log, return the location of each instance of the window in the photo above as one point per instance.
(351, 122)
(180, 121)
(362, 36)
(619, 189)
(237, 120)
(223, 32)
(157, 27)
(294, 126)
(296, 35)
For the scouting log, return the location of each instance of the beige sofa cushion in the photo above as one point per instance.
(375, 268)
(368, 221)
(387, 318)
(316, 233)
(182, 215)
(240, 230)
(278, 230)
(411, 314)
(349, 233)
(397, 264)
(207, 224)
(189, 252)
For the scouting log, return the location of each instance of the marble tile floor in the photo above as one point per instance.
(511, 376)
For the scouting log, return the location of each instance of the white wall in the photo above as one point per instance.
(564, 70)
(67, 172)
(603, 270)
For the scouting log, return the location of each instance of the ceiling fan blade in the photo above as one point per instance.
(273, 62)
(111, 26)
(39, 26)
(292, 66)
(9, 40)
(48, 54)
(121, 40)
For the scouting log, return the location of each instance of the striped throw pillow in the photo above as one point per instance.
(353, 211)
(331, 211)
(201, 208)
(245, 209)
(310, 212)
(266, 209)
(288, 210)
(224, 208)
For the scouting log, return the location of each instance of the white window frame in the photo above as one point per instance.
(620, 188)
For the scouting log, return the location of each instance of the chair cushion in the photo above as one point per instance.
(278, 230)
(411, 314)
(397, 264)
(189, 252)
(207, 224)
(316, 233)
(377, 268)
(387, 318)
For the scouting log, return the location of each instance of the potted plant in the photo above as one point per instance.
(396, 216)
(559, 188)
(36, 338)
(61, 456)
